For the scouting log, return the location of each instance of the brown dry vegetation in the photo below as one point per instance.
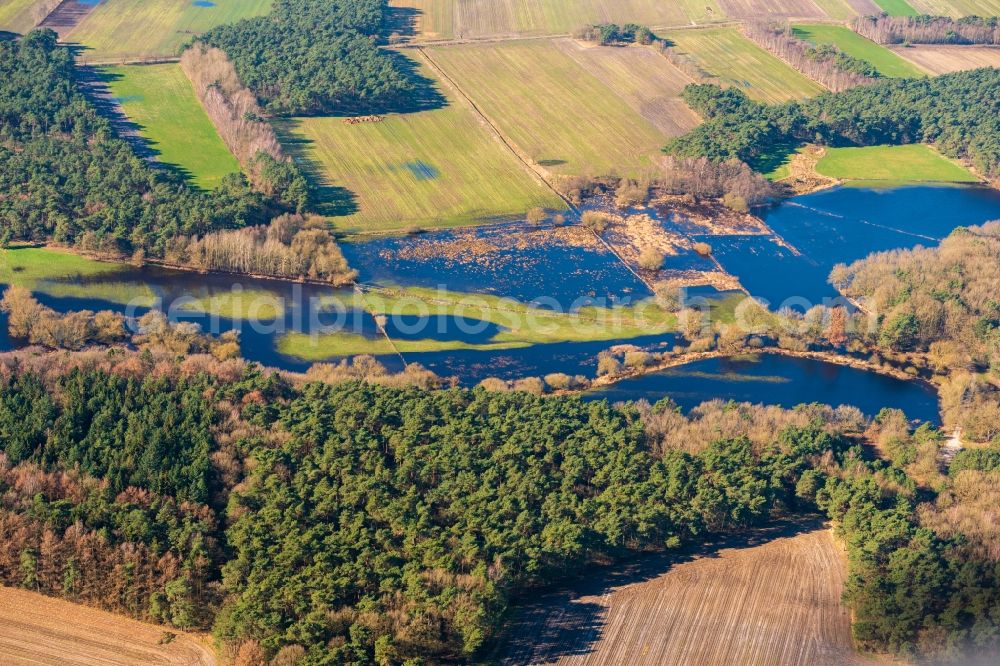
(776, 602)
(642, 78)
(232, 108)
(755, 9)
(35, 629)
(943, 59)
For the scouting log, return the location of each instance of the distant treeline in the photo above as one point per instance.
(824, 63)
(315, 56)
(321, 524)
(928, 29)
(65, 175)
(959, 113)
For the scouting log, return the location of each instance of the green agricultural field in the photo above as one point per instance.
(727, 54)
(888, 63)
(160, 100)
(438, 168)
(894, 164)
(897, 7)
(119, 29)
(17, 15)
(552, 108)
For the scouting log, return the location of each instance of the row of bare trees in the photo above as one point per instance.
(777, 38)
(927, 30)
(292, 246)
(233, 108)
(703, 177)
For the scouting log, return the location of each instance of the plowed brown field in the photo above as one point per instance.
(35, 629)
(944, 59)
(773, 600)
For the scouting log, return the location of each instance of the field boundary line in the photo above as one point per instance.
(378, 324)
(775, 55)
(524, 160)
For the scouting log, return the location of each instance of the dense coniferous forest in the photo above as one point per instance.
(66, 176)
(314, 56)
(354, 523)
(960, 113)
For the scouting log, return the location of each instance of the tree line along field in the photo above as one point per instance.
(119, 29)
(435, 168)
(941, 59)
(556, 112)
(727, 54)
(35, 629)
(160, 101)
(886, 61)
(777, 602)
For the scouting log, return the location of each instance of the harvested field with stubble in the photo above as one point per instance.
(727, 54)
(18, 15)
(557, 114)
(943, 59)
(774, 600)
(756, 9)
(478, 19)
(122, 29)
(957, 8)
(642, 78)
(431, 169)
(39, 630)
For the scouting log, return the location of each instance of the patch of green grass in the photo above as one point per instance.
(522, 325)
(250, 304)
(17, 15)
(897, 8)
(775, 163)
(52, 272)
(910, 163)
(552, 109)
(431, 169)
(885, 61)
(727, 54)
(138, 28)
(160, 100)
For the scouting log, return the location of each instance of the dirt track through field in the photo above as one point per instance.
(773, 599)
(35, 629)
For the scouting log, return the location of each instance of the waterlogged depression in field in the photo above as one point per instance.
(843, 225)
(557, 266)
(778, 380)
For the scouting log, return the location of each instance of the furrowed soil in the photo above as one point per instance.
(943, 59)
(35, 629)
(773, 598)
